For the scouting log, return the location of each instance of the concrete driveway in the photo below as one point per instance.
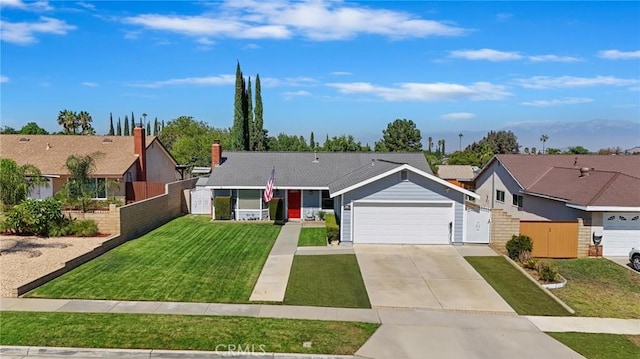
(425, 276)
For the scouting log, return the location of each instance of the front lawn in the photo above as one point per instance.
(326, 281)
(188, 259)
(599, 288)
(313, 237)
(524, 296)
(181, 332)
(601, 346)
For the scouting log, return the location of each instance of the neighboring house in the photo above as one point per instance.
(122, 160)
(602, 190)
(459, 175)
(377, 197)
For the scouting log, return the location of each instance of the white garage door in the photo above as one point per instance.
(621, 232)
(402, 223)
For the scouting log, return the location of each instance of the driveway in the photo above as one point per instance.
(424, 276)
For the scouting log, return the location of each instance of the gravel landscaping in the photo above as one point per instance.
(23, 259)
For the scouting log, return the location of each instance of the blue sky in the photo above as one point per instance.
(331, 67)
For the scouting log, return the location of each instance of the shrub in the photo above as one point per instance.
(547, 271)
(35, 217)
(322, 215)
(223, 208)
(530, 263)
(276, 209)
(524, 256)
(333, 231)
(83, 228)
(517, 245)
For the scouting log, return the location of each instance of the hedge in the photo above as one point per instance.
(223, 208)
(333, 231)
(276, 209)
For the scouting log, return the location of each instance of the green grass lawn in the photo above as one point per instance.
(326, 281)
(599, 288)
(313, 237)
(181, 332)
(523, 296)
(188, 259)
(601, 346)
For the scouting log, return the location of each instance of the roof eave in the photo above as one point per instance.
(604, 208)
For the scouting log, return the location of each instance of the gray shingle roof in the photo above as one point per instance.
(363, 173)
(298, 169)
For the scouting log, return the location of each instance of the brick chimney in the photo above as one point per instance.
(140, 149)
(216, 154)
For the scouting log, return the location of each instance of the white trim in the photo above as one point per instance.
(543, 196)
(275, 188)
(464, 220)
(604, 208)
(412, 169)
(408, 201)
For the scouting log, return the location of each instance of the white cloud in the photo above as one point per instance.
(3, 79)
(12, 3)
(251, 46)
(438, 91)
(89, 84)
(197, 81)
(341, 73)
(546, 82)
(558, 102)
(503, 16)
(619, 55)
(23, 33)
(86, 5)
(316, 20)
(554, 58)
(486, 54)
(288, 95)
(457, 116)
(37, 6)
(300, 81)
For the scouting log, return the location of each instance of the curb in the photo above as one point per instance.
(53, 352)
(553, 296)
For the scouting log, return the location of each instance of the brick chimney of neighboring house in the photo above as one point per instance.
(140, 149)
(216, 154)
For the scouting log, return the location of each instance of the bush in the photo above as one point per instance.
(276, 209)
(321, 215)
(547, 271)
(530, 263)
(35, 217)
(333, 231)
(83, 228)
(517, 245)
(223, 208)
(524, 256)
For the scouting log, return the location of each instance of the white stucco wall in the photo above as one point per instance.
(160, 167)
(494, 178)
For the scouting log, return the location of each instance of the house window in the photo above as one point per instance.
(517, 200)
(404, 176)
(98, 187)
(500, 196)
(327, 202)
(249, 199)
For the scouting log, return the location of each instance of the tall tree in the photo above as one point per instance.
(133, 123)
(126, 126)
(119, 128)
(189, 141)
(430, 143)
(16, 181)
(238, 130)
(259, 122)
(543, 139)
(162, 127)
(85, 119)
(344, 143)
(312, 141)
(251, 126)
(32, 128)
(156, 127)
(500, 142)
(460, 147)
(111, 129)
(444, 152)
(149, 128)
(69, 121)
(400, 136)
(7, 130)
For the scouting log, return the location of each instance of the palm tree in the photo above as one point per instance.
(544, 139)
(460, 135)
(85, 119)
(67, 119)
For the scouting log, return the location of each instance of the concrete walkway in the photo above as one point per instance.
(326, 250)
(272, 283)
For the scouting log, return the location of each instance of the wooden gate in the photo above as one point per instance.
(552, 239)
(139, 190)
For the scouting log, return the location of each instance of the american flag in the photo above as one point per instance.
(268, 191)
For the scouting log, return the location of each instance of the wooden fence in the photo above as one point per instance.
(552, 239)
(138, 190)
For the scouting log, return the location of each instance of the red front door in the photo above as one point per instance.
(293, 204)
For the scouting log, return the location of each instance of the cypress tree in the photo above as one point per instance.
(111, 130)
(312, 141)
(133, 123)
(126, 126)
(259, 124)
(238, 130)
(119, 128)
(251, 127)
(148, 128)
(162, 127)
(155, 126)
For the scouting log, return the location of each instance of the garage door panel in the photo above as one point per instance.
(406, 223)
(621, 232)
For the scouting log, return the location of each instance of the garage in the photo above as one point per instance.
(402, 222)
(621, 232)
